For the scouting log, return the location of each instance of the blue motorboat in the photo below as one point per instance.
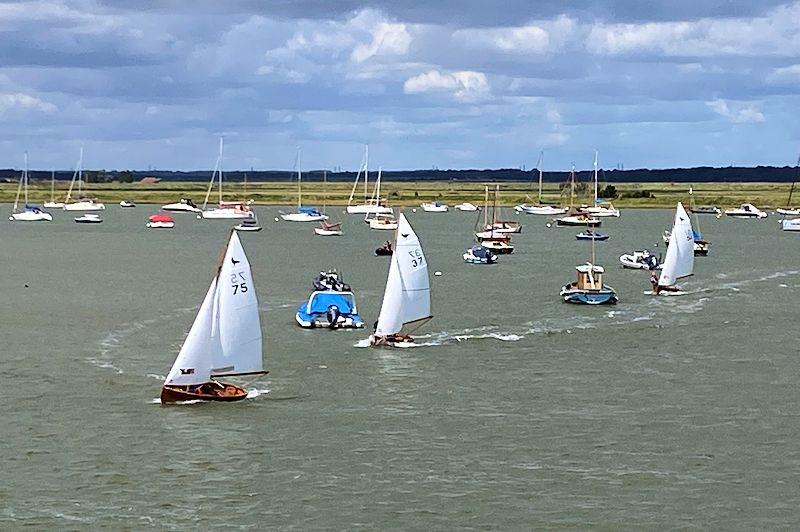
(589, 288)
(591, 235)
(329, 308)
(479, 255)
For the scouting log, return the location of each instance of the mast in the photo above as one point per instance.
(541, 164)
(595, 177)
(485, 206)
(220, 170)
(494, 207)
(692, 207)
(366, 170)
(791, 190)
(217, 167)
(324, 191)
(80, 173)
(25, 176)
(572, 187)
(53, 185)
(299, 181)
(75, 174)
(19, 190)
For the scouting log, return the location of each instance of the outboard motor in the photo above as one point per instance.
(332, 314)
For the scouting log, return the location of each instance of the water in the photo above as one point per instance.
(518, 411)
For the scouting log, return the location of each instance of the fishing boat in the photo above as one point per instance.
(225, 338)
(679, 262)
(381, 221)
(373, 205)
(540, 207)
(125, 204)
(467, 207)
(746, 210)
(384, 250)
(225, 210)
(639, 260)
(302, 214)
(407, 297)
(85, 202)
(332, 309)
(184, 205)
(89, 218)
(53, 204)
(789, 210)
(249, 224)
(478, 254)
(591, 235)
(30, 213)
(160, 221)
(435, 206)
(588, 288)
(600, 207)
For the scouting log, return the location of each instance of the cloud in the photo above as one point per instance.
(787, 74)
(24, 101)
(464, 85)
(738, 113)
(387, 39)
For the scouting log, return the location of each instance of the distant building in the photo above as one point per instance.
(149, 180)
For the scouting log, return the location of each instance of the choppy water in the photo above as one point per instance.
(517, 411)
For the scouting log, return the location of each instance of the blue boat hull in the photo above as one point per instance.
(604, 296)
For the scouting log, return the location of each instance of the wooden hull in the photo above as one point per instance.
(211, 391)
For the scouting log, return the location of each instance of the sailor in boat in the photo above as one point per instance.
(389, 339)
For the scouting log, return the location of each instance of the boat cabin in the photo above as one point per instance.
(590, 277)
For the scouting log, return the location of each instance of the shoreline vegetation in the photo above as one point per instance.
(411, 194)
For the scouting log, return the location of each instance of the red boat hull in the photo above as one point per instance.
(210, 391)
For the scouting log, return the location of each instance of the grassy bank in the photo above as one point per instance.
(767, 195)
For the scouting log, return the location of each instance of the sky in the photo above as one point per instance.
(444, 84)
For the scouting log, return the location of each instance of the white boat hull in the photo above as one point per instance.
(434, 208)
(160, 225)
(467, 207)
(327, 232)
(53, 205)
(786, 212)
(28, 216)
(89, 219)
(542, 209)
(84, 206)
(225, 214)
(369, 209)
(303, 217)
(127, 204)
(179, 207)
(791, 225)
(382, 226)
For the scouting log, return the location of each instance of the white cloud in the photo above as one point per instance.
(736, 112)
(24, 101)
(387, 39)
(535, 38)
(464, 85)
(789, 73)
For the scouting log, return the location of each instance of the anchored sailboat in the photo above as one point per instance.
(32, 213)
(225, 338)
(600, 207)
(371, 205)
(226, 210)
(84, 203)
(789, 210)
(302, 214)
(679, 262)
(53, 204)
(327, 228)
(407, 297)
(540, 208)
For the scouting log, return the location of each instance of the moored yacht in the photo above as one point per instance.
(746, 210)
(160, 221)
(184, 205)
(225, 210)
(589, 289)
(435, 206)
(31, 213)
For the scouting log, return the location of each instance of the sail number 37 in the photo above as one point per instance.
(416, 258)
(238, 283)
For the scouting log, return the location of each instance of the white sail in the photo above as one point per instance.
(225, 338)
(679, 261)
(236, 321)
(408, 295)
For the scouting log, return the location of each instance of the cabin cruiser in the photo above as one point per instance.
(436, 206)
(701, 246)
(549, 210)
(381, 222)
(125, 204)
(792, 224)
(601, 209)
(304, 214)
(639, 260)
(706, 209)
(184, 205)
(746, 210)
(479, 255)
(332, 309)
(228, 210)
(32, 213)
(591, 235)
(589, 288)
(467, 207)
(89, 219)
(84, 203)
(575, 217)
(330, 280)
(160, 221)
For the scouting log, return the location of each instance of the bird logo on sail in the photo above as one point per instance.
(234, 261)
(187, 371)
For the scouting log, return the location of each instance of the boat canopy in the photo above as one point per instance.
(480, 252)
(161, 218)
(308, 210)
(585, 268)
(319, 302)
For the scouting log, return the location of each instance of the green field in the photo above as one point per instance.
(765, 195)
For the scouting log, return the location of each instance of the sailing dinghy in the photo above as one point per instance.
(679, 262)
(407, 297)
(225, 338)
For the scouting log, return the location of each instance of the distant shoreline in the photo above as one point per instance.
(396, 194)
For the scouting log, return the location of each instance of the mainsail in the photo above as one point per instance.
(225, 338)
(679, 261)
(407, 297)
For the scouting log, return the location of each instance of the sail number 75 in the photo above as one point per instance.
(238, 283)
(416, 258)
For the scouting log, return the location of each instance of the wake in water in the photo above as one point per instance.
(445, 338)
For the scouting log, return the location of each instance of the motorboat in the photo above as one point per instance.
(384, 250)
(160, 221)
(591, 235)
(746, 210)
(184, 205)
(125, 204)
(89, 219)
(31, 213)
(706, 209)
(373, 205)
(478, 254)
(332, 309)
(589, 289)
(792, 224)
(381, 221)
(701, 246)
(328, 229)
(435, 206)
(250, 224)
(330, 280)
(679, 262)
(467, 207)
(574, 217)
(639, 260)
(549, 210)
(304, 214)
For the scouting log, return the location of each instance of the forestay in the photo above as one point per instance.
(225, 338)
(679, 261)
(407, 297)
